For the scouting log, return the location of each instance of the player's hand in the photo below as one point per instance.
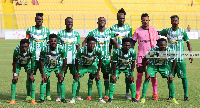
(44, 78)
(116, 34)
(114, 79)
(191, 58)
(147, 76)
(77, 76)
(15, 79)
(131, 78)
(97, 76)
(60, 77)
(31, 78)
(170, 78)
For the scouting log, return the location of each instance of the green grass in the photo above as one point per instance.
(6, 51)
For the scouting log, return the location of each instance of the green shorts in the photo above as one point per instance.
(37, 66)
(180, 69)
(163, 70)
(56, 70)
(26, 67)
(72, 69)
(105, 67)
(118, 72)
(90, 69)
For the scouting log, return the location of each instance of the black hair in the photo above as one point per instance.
(91, 38)
(39, 14)
(126, 40)
(23, 41)
(100, 18)
(52, 36)
(161, 39)
(144, 15)
(68, 18)
(121, 11)
(174, 16)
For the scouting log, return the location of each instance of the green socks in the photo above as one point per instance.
(99, 87)
(28, 87)
(78, 88)
(58, 89)
(90, 83)
(74, 88)
(185, 86)
(42, 90)
(144, 90)
(48, 88)
(13, 89)
(132, 88)
(32, 87)
(127, 84)
(111, 90)
(171, 88)
(62, 88)
(106, 84)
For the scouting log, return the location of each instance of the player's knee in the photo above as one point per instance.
(113, 81)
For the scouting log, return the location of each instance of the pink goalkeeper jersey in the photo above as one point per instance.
(143, 38)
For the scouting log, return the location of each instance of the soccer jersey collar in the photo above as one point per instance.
(39, 29)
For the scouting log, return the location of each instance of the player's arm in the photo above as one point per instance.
(188, 45)
(115, 59)
(78, 43)
(15, 75)
(133, 61)
(134, 39)
(30, 75)
(163, 32)
(100, 57)
(85, 41)
(64, 56)
(78, 57)
(44, 76)
(113, 40)
(147, 76)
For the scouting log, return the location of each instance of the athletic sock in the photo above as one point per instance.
(62, 88)
(58, 89)
(28, 86)
(144, 90)
(132, 88)
(106, 84)
(138, 82)
(48, 88)
(90, 83)
(74, 88)
(185, 86)
(42, 90)
(170, 92)
(172, 88)
(13, 89)
(154, 84)
(78, 88)
(111, 90)
(99, 87)
(127, 85)
(32, 87)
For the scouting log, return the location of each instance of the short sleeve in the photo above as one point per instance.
(114, 58)
(185, 36)
(78, 54)
(90, 34)
(100, 56)
(15, 54)
(135, 36)
(48, 33)
(130, 34)
(163, 32)
(42, 53)
(112, 35)
(33, 55)
(63, 54)
(78, 38)
(134, 55)
(59, 38)
(28, 31)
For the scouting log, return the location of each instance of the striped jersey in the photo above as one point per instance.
(124, 61)
(25, 58)
(52, 59)
(121, 32)
(103, 41)
(69, 40)
(176, 41)
(88, 58)
(161, 58)
(38, 38)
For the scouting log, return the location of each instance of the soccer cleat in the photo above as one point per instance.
(186, 99)
(89, 98)
(106, 97)
(109, 100)
(127, 96)
(174, 101)
(58, 98)
(143, 100)
(41, 101)
(137, 96)
(72, 101)
(134, 100)
(48, 98)
(79, 98)
(12, 102)
(169, 98)
(155, 96)
(28, 98)
(63, 100)
(102, 101)
(33, 101)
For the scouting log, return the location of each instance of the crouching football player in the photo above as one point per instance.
(86, 62)
(52, 58)
(23, 56)
(123, 61)
(160, 58)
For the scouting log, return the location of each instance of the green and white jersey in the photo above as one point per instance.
(25, 58)
(125, 31)
(103, 41)
(161, 58)
(124, 61)
(38, 38)
(52, 59)
(88, 58)
(176, 41)
(69, 40)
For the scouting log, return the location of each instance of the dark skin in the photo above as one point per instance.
(90, 48)
(39, 21)
(162, 47)
(53, 44)
(175, 22)
(125, 49)
(121, 19)
(24, 47)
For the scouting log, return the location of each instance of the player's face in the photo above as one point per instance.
(101, 22)
(69, 23)
(126, 46)
(91, 45)
(39, 20)
(174, 22)
(145, 21)
(121, 19)
(53, 42)
(162, 45)
(24, 47)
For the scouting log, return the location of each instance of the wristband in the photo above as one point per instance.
(15, 74)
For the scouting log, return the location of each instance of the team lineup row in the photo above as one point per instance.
(51, 52)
